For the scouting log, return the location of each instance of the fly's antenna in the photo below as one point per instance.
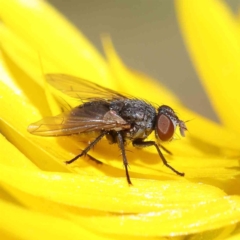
(189, 120)
(186, 122)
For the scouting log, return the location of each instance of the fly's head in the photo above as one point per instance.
(166, 124)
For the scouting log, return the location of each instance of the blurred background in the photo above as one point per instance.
(147, 37)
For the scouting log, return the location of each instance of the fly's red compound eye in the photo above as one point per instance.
(167, 121)
(165, 127)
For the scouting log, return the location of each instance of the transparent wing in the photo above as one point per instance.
(64, 125)
(91, 116)
(79, 88)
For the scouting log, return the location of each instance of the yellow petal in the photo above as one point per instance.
(209, 136)
(212, 37)
(34, 225)
(24, 67)
(164, 203)
(91, 192)
(54, 38)
(175, 221)
(234, 237)
(17, 114)
(11, 156)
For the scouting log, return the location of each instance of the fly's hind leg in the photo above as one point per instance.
(85, 151)
(142, 144)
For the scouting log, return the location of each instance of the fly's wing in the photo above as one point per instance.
(82, 89)
(93, 116)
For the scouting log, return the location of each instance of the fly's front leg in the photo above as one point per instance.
(166, 150)
(85, 151)
(142, 144)
(122, 148)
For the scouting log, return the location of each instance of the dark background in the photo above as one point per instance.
(147, 37)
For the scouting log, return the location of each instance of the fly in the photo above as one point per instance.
(111, 115)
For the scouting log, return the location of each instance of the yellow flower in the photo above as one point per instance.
(42, 198)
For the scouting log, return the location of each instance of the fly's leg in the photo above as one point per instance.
(142, 144)
(166, 150)
(94, 159)
(125, 162)
(85, 151)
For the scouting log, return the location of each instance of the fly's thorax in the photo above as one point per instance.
(139, 114)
